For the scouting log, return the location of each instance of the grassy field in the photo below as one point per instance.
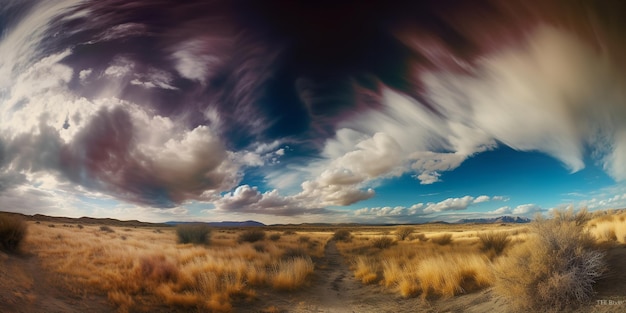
(144, 267)
(550, 264)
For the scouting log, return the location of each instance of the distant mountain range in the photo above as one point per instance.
(494, 220)
(222, 224)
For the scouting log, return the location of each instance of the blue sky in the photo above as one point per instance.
(287, 113)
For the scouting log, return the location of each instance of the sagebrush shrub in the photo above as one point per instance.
(404, 232)
(342, 235)
(554, 270)
(12, 232)
(252, 235)
(193, 233)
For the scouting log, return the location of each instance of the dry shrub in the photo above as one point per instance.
(274, 237)
(404, 232)
(12, 232)
(420, 236)
(442, 240)
(157, 268)
(259, 247)
(304, 239)
(342, 235)
(383, 242)
(494, 241)
(106, 229)
(289, 232)
(553, 270)
(252, 235)
(291, 274)
(193, 233)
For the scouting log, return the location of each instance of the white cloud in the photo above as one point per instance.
(449, 204)
(196, 60)
(526, 209)
(481, 199)
(154, 78)
(246, 199)
(84, 74)
(119, 68)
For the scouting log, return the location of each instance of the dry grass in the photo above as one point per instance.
(426, 268)
(150, 269)
(494, 242)
(609, 227)
(12, 232)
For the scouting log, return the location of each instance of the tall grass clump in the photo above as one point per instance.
(252, 235)
(12, 232)
(494, 242)
(193, 233)
(291, 274)
(383, 242)
(555, 269)
(442, 240)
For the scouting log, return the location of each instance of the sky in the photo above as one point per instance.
(297, 112)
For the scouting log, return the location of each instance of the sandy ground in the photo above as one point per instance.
(26, 287)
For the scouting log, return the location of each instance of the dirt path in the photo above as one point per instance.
(26, 287)
(333, 289)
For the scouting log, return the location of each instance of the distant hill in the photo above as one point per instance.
(222, 224)
(493, 220)
(85, 220)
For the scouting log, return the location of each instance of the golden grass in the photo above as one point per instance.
(141, 268)
(416, 267)
(609, 227)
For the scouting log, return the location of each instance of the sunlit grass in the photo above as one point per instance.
(141, 267)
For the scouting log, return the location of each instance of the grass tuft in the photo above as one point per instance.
(442, 240)
(494, 241)
(383, 242)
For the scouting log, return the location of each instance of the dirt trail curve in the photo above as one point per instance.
(333, 289)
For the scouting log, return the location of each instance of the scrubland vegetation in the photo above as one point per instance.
(142, 268)
(551, 264)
